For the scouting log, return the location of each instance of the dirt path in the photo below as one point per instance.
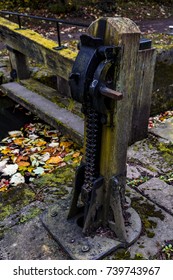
(155, 25)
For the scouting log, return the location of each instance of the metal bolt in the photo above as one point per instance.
(85, 248)
(54, 213)
(170, 30)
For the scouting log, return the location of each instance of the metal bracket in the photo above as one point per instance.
(90, 71)
(69, 233)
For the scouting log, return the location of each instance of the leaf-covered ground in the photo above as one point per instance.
(33, 151)
(37, 149)
(161, 118)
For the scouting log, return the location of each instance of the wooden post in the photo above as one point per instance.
(63, 87)
(19, 63)
(142, 99)
(116, 133)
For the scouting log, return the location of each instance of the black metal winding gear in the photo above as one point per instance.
(87, 87)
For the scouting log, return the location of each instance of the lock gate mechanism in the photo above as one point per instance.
(77, 227)
(90, 82)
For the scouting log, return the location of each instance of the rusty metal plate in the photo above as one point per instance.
(68, 234)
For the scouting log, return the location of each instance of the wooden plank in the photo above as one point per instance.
(35, 46)
(143, 91)
(51, 113)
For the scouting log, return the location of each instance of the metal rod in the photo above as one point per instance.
(58, 34)
(19, 21)
(58, 21)
(110, 93)
(44, 18)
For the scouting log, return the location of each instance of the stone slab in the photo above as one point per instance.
(69, 123)
(68, 233)
(149, 247)
(159, 192)
(134, 172)
(164, 130)
(143, 153)
(30, 241)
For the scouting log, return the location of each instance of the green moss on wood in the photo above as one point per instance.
(37, 38)
(35, 46)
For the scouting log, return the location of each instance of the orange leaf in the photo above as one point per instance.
(76, 154)
(54, 160)
(21, 158)
(18, 141)
(49, 150)
(23, 163)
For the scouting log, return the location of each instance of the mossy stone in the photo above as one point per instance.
(32, 214)
(15, 199)
(146, 211)
(167, 151)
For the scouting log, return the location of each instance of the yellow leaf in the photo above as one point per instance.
(22, 168)
(47, 166)
(18, 141)
(30, 168)
(13, 158)
(26, 168)
(40, 142)
(6, 151)
(76, 160)
(3, 188)
(54, 160)
(65, 144)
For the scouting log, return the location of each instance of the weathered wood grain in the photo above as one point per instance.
(35, 46)
(143, 94)
(115, 136)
